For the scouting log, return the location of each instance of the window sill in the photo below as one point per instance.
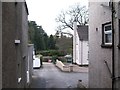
(106, 46)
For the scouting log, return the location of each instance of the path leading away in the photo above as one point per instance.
(51, 77)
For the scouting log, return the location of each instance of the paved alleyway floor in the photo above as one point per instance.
(49, 76)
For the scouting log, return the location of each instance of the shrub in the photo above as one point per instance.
(54, 58)
(52, 53)
(41, 59)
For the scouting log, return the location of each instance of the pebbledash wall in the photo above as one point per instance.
(14, 42)
(99, 76)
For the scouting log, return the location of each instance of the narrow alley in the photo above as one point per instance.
(49, 76)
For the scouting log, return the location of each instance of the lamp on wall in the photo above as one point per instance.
(17, 41)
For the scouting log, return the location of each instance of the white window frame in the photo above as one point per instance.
(107, 32)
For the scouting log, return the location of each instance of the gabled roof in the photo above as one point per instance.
(82, 32)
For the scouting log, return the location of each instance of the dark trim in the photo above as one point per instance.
(26, 8)
(119, 33)
(106, 23)
(118, 46)
(84, 65)
(103, 45)
(16, 3)
(106, 46)
(74, 63)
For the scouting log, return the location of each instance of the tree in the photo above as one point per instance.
(66, 18)
(51, 42)
(37, 36)
(31, 31)
(65, 44)
(46, 39)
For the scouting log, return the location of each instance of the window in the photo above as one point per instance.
(107, 35)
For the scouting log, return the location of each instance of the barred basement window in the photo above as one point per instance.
(106, 35)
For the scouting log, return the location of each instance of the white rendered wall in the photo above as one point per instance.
(85, 53)
(77, 49)
(74, 42)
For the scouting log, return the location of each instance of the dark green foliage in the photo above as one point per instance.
(46, 39)
(60, 58)
(51, 42)
(65, 44)
(52, 53)
(54, 58)
(41, 60)
(39, 37)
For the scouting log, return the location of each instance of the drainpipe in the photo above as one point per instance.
(114, 78)
(113, 52)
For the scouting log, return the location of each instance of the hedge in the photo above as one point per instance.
(52, 53)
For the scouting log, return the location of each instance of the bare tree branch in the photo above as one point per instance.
(66, 18)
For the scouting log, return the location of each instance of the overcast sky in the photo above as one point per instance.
(44, 12)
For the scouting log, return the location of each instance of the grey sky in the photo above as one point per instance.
(44, 12)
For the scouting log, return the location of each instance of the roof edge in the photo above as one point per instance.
(26, 7)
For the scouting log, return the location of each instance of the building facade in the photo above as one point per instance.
(104, 53)
(80, 45)
(14, 33)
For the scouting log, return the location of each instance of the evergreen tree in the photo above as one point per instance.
(36, 36)
(51, 42)
(39, 37)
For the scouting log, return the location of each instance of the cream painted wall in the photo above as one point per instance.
(99, 76)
